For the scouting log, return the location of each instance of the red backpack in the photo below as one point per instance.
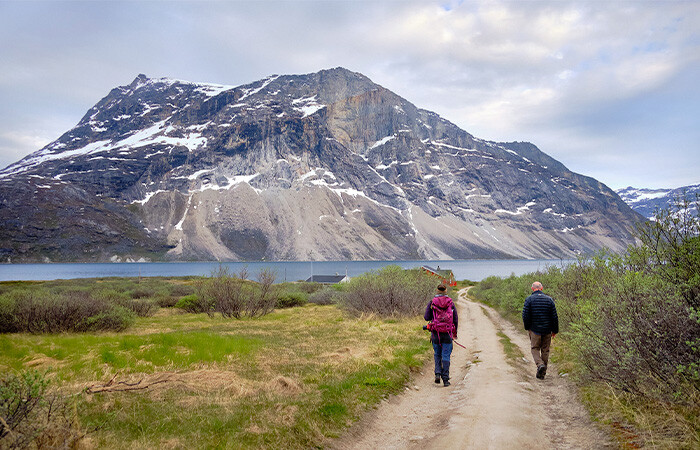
(442, 315)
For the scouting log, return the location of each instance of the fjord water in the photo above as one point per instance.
(474, 270)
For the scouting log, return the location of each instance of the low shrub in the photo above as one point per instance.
(40, 311)
(142, 308)
(107, 294)
(308, 287)
(137, 305)
(31, 417)
(192, 304)
(180, 290)
(141, 292)
(291, 299)
(390, 291)
(8, 323)
(166, 302)
(117, 318)
(326, 296)
(168, 295)
(507, 295)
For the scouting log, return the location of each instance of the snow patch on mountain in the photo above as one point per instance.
(647, 201)
(307, 106)
(382, 141)
(253, 91)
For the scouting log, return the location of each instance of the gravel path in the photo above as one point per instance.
(492, 403)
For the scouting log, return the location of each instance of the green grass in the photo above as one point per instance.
(511, 350)
(293, 378)
(461, 284)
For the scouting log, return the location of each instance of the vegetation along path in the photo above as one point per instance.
(494, 402)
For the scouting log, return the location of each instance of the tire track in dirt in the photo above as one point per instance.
(491, 404)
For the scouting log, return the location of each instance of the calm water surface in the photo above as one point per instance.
(475, 270)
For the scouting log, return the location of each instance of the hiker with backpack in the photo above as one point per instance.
(442, 315)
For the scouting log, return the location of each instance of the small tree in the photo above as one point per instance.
(234, 296)
(265, 300)
(223, 292)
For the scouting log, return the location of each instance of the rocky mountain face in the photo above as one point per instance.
(647, 201)
(324, 166)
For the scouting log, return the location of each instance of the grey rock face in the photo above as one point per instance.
(647, 201)
(327, 165)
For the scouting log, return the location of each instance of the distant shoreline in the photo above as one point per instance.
(474, 269)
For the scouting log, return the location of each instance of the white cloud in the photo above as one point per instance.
(562, 74)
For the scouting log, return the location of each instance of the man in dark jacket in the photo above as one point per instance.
(440, 308)
(542, 323)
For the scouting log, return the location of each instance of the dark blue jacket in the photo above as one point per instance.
(444, 338)
(540, 314)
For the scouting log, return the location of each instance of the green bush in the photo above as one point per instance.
(506, 295)
(390, 291)
(31, 418)
(631, 320)
(167, 296)
(41, 311)
(138, 305)
(116, 318)
(180, 290)
(8, 323)
(141, 292)
(110, 295)
(166, 301)
(291, 299)
(192, 304)
(142, 308)
(308, 287)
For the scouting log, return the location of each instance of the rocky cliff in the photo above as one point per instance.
(327, 165)
(647, 201)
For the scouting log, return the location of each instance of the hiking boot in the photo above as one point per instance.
(446, 383)
(437, 378)
(541, 371)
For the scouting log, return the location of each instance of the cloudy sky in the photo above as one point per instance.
(609, 88)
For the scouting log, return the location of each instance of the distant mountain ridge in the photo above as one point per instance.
(327, 165)
(647, 201)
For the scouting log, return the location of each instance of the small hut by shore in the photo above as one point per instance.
(328, 279)
(445, 275)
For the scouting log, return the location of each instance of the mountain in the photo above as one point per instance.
(323, 166)
(647, 201)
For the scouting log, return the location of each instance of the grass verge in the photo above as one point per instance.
(511, 350)
(293, 378)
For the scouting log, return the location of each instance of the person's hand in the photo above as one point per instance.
(554, 334)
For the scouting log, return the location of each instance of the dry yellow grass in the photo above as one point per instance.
(293, 378)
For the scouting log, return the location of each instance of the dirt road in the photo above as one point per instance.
(492, 404)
